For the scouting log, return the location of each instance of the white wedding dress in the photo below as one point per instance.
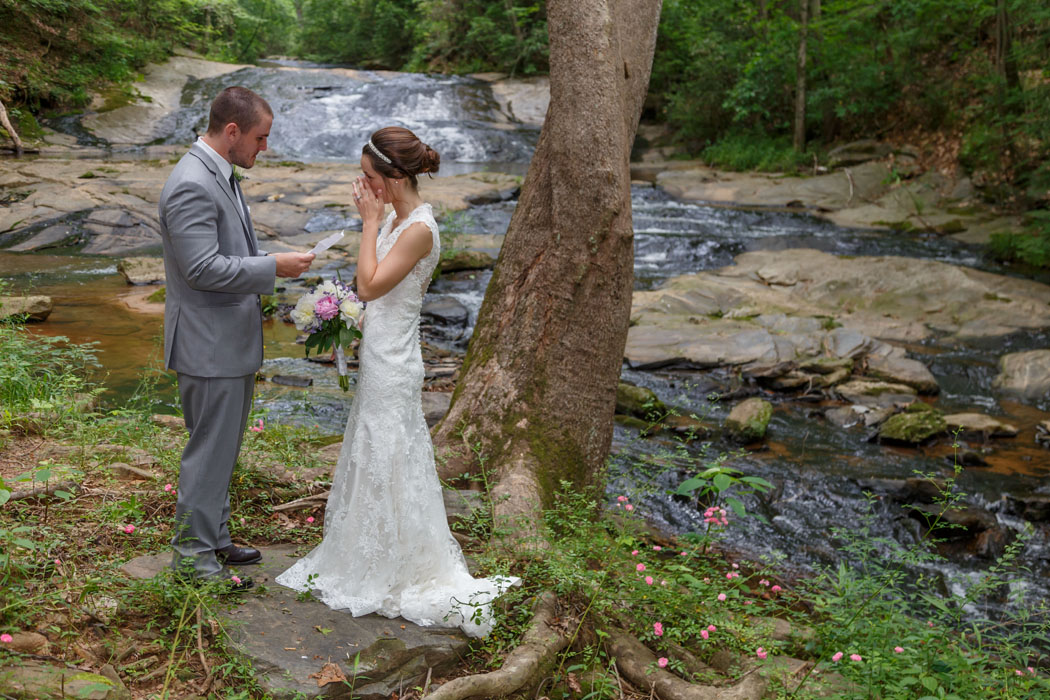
(387, 547)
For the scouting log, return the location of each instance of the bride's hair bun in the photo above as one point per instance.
(431, 160)
(396, 152)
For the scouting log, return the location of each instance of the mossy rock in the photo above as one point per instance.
(467, 260)
(748, 420)
(916, 424)
(158, 297)
(33, 679)
(639, 402)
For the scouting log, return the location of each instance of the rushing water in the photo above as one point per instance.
(820, 472)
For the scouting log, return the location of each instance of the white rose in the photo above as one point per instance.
(350, 310)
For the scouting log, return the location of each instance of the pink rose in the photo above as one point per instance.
(658, 629)
(662, 662)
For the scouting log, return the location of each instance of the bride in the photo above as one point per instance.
(387, 547)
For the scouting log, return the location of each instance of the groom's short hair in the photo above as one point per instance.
(238, 105)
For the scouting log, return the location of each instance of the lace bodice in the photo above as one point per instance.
(387, 547)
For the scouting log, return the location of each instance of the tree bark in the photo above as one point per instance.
(538, 385)
(6, 123)
(800, 78)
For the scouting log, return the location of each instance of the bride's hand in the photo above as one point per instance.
(368, 204)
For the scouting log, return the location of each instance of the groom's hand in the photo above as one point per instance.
(292, 264)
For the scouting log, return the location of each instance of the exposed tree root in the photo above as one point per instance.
(6, 123)
(634, 660)
(43, 490)
(538, 648)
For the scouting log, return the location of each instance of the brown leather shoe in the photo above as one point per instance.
(232, 554)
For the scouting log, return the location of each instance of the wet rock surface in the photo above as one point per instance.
(288, 640)
(32, 308)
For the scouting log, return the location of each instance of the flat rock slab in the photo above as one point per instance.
(286, 639)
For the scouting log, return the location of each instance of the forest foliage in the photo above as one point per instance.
(724, 78)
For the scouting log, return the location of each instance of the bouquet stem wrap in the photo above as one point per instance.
(340, 366)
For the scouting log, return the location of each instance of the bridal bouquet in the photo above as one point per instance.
(329, 313)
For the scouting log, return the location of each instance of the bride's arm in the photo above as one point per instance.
(376, 279)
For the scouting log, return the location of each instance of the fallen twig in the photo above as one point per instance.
(304, 502)
(43, 490)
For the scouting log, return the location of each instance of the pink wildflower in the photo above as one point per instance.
(761, 653)
(628, 507)
(236, 579)
(649, 580)
(310, 519)
(662, 662)
(634, 553)
(1031, 670)
(6, 638)
(168, 487)
(639, 568)
(712, 628)
(621, 499)
(658, 629)
(657, 548)
(128, 529)
(243, 521)
(855, 657)
(898, 650)
(683, 554)
(721, 597)
(776, 589)
(836, 656)
(1019, 672)
(749, 602)
(705, 634)
(737, 566)
(258, 427)
(763, 582)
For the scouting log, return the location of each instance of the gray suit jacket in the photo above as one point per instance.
(215, 274)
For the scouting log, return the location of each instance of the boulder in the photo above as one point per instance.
(917, 423)
(685, 427)
(875, 394)
(992, 543)
(34, 308)
(978, 425)
(27, 643)
(1025, 375)
(902, 370)
(446, 311)
(638, 401)
(142, 270)
(857, 152)
(1035, 508)
(748, 420)
(954, 523)
(467, 260)
(435, 406)
(30, 678)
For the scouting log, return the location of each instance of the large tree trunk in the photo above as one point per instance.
(537, 390)
(800, 78)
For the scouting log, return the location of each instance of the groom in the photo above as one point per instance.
(213, 323)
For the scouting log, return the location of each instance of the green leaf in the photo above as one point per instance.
(757, 481)
(689, 485)
(24, 543)
(5, 496)
(43, 474)
(930, 683)
(64, 495)
(737, 507)
(722, 482)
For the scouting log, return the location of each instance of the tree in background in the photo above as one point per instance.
(538, 385)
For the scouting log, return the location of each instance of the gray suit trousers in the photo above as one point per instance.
(216, 411)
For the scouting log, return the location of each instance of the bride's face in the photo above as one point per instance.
(378, 183)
